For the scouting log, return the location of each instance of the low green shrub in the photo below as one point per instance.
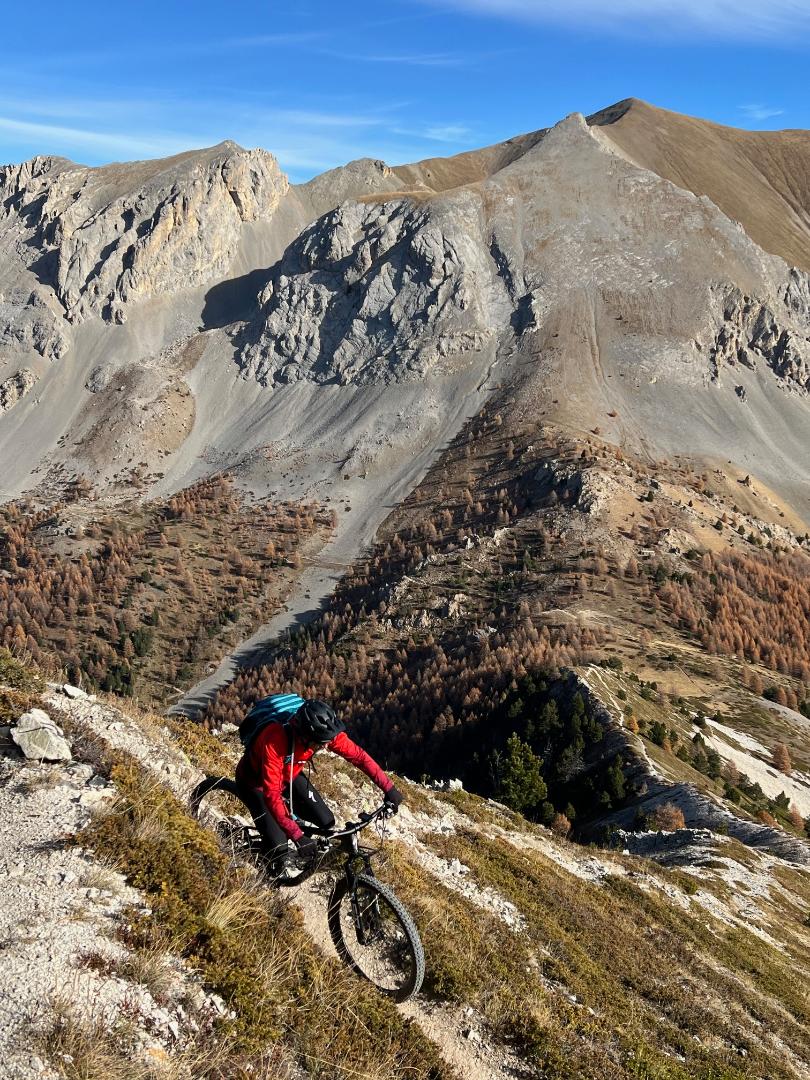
(263, 964)
(20, 687)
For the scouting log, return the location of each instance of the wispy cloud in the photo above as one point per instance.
(719, 18)
(58, 137)
(444, 133)
(157, 50)
(760, 112)
(435, 59)
(450, 133)
(307, 118)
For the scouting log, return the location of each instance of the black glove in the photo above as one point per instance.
(307, 846)
(394, 799)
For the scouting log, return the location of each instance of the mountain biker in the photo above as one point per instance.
(280, 734)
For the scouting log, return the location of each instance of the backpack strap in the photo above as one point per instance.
(267, 711)
(290, 761)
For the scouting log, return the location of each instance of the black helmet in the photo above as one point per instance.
(316, 722)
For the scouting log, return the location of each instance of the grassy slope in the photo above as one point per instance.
(620, 970)
(756, 177)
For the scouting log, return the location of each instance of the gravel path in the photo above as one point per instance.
(56, 907)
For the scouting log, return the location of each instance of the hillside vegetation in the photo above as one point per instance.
(134, 599)
(525, 554)
(565, 963)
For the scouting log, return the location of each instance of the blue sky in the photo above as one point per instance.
(319, 83)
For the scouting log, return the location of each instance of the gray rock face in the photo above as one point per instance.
(15, 387)
(779, 335)
(40, 738)
(615, 292)
(119, 234)
(364, 176)
(32, 324)
(691, 846)
(376, 292)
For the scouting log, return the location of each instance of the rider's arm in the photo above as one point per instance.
(351, 752)
(269, 759)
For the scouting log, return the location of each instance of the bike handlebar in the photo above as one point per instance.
(385, 810)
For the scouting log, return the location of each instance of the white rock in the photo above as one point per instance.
(39, 738)
(73, 691)
(79, 771)
(16, 387)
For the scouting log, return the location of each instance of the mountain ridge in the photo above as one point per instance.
(504, 455)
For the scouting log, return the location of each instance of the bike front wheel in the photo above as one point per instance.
(376, 937)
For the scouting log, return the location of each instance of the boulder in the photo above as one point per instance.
(16, 387)
(73, 691)
(40, 738)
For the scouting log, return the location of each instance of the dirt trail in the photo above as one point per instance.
(60, 910)
(457, 1031)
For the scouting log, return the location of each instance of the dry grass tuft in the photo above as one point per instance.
(39, 778)
(151, 968)
(101, 874)
(142, 811)
(237, 908)
(89, 1048)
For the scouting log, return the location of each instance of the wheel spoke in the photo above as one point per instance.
(377, 938)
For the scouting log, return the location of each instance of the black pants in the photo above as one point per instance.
(308, 805)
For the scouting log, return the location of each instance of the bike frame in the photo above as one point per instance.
(355, 885)
(349, 838)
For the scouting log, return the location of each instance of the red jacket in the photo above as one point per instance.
(267, 766)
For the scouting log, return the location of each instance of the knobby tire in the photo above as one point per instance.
(409, 963)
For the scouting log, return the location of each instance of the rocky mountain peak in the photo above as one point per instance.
(601, 252)
(110, 236)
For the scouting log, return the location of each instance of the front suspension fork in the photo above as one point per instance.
(357, 914)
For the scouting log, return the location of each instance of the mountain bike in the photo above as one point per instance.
(371, 930)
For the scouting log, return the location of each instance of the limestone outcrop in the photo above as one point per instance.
(15, 387)
(376, 291)
(123, 233)
(31, 324)
(778, 334)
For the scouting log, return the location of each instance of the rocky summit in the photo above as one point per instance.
(625, 263)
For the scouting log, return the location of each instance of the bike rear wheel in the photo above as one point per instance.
(217, 804)
(376, 937)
